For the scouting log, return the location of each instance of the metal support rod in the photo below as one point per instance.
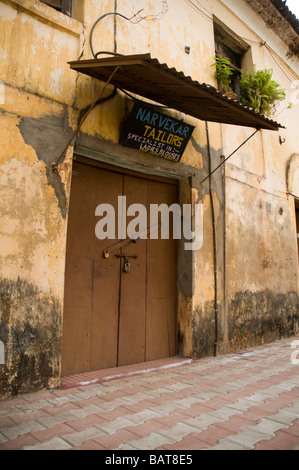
(229, 156)
(122, 243)
(55, 165)
(291, 194)
(214, 229)
(214, 245)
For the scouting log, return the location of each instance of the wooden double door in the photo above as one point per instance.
(121, 309)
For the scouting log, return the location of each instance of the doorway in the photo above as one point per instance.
(120, 295)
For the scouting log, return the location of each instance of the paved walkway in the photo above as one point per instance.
(238, 401)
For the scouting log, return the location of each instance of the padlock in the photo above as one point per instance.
(106, 254)
(127, 266)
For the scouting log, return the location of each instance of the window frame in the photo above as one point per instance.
(230, 45)
(222, 50)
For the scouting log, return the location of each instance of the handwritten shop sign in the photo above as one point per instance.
(155, 133)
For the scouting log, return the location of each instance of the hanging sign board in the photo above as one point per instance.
(155, 133)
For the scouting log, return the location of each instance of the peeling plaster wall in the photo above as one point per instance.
(261, 253)
(261, 266)
(255, 239)
(34, 127)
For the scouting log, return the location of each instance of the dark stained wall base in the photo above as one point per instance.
(261, 317)
(30, 328)
(254, 318)
(203, 328)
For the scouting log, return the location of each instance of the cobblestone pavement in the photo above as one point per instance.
(237, 401)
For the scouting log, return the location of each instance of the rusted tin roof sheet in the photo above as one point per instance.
(147, 77)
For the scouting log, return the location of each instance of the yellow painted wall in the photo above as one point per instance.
(42, 103)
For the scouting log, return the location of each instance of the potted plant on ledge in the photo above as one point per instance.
(260, 92)
(223, 74)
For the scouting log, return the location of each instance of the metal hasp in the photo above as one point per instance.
(126, 256)
(117, 245)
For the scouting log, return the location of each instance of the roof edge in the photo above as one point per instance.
(284, 10)
(89, 67)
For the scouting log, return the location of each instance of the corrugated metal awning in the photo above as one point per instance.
(147, 77)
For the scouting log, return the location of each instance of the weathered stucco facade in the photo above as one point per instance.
(252, 196)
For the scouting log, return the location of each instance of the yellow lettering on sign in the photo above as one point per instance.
(152, 134)
(177, 141)
(160, 136)
(147, 128)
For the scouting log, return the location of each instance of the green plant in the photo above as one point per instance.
(223, 72)
(260, 92)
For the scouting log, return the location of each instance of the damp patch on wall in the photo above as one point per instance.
(30, 330)
(264, 316)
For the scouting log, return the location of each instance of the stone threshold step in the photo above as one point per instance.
(105, 375)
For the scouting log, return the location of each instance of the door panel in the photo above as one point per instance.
(133, 285)
(90, 328)
(106, 279)
(161, 283)
(79, 259)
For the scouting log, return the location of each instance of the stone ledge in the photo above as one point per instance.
(48, 15)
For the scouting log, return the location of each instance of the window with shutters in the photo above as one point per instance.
(64, 6)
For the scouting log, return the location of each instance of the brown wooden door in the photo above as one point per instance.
(113, 318)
